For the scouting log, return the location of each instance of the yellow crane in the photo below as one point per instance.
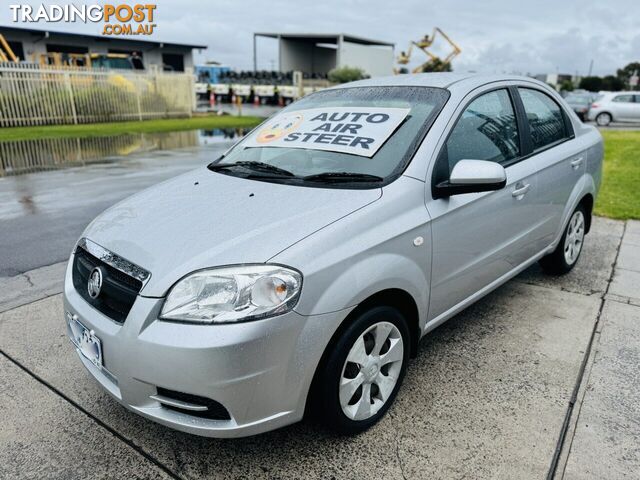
(89, 60)
(6, 54)
(434, 62)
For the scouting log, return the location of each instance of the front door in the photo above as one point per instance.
(479, 237)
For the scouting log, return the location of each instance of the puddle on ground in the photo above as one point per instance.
(29, 156)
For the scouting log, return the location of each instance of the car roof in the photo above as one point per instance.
(611, 94)
(437, 80)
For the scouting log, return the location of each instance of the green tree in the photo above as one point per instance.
(625, 73)
(566, 86)
(608, 83)
(346, 74)
(436, 65)
(592, 84)
(612, 83)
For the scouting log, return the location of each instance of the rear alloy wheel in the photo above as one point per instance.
(363, 371)
(574, 238)
(566, 254)
(603, 119)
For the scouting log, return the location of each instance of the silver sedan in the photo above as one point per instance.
(297, 273)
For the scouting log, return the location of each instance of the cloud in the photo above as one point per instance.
(495, 35)
(570, 52)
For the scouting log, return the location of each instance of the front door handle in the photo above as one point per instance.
(521, 190)
(576, 163)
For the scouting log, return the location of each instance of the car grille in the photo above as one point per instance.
(119, 290)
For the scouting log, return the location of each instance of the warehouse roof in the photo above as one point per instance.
(101, 38)
(323, 37)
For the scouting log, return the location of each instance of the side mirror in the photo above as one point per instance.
(470, 176)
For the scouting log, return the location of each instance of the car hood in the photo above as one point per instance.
(204, 219)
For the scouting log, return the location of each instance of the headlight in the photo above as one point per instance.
(232, 294)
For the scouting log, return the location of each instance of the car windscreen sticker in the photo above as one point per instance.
(355, 130)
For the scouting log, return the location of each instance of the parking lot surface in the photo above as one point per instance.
(540, 375)
(42, 214)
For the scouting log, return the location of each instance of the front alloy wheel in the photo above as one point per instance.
(371, 371)
(362, 370)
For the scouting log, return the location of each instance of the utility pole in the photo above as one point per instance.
(255, 59)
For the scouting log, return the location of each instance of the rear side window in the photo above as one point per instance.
(546, 122)
(486, 130)
(623, 99)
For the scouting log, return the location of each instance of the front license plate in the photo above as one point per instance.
(85, 341)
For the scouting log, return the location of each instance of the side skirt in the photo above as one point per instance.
(443, 317)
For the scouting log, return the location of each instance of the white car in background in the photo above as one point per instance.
(616, 107)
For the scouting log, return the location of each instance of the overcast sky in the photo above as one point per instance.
(540, 36)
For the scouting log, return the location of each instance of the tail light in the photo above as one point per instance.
(595, 105)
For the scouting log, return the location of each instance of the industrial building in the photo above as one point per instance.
(29, 44)
(319, 53)
(556, 79)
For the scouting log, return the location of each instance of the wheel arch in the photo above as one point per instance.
(583, 194)
(587, 202)
(397, 298)
(608, 112)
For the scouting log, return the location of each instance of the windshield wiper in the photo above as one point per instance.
(254, 166)
(331, 177)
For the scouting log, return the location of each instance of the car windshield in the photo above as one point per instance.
(358, 137)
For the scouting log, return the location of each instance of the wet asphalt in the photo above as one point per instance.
(42, 214)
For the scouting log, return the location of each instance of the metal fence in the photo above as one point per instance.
(31, 94)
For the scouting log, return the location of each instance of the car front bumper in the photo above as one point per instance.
(259, 371)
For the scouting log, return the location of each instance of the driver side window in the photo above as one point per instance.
(486, 130)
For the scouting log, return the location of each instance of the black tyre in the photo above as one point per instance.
(566, 254)
(603, 119)
(363, 371)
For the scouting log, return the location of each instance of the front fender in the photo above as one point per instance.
(363, 278)
(385, 245)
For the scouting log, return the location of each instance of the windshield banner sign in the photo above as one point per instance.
(355, 130)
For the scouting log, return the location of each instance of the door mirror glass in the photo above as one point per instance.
(470, 176)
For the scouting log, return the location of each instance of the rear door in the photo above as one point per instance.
(479, 237)
(559, 160)
(623, 107)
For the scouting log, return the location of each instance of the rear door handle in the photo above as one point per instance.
(576, 163)
(521, 190)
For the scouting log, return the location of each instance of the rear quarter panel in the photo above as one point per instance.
(589, 184)
(595, 158)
